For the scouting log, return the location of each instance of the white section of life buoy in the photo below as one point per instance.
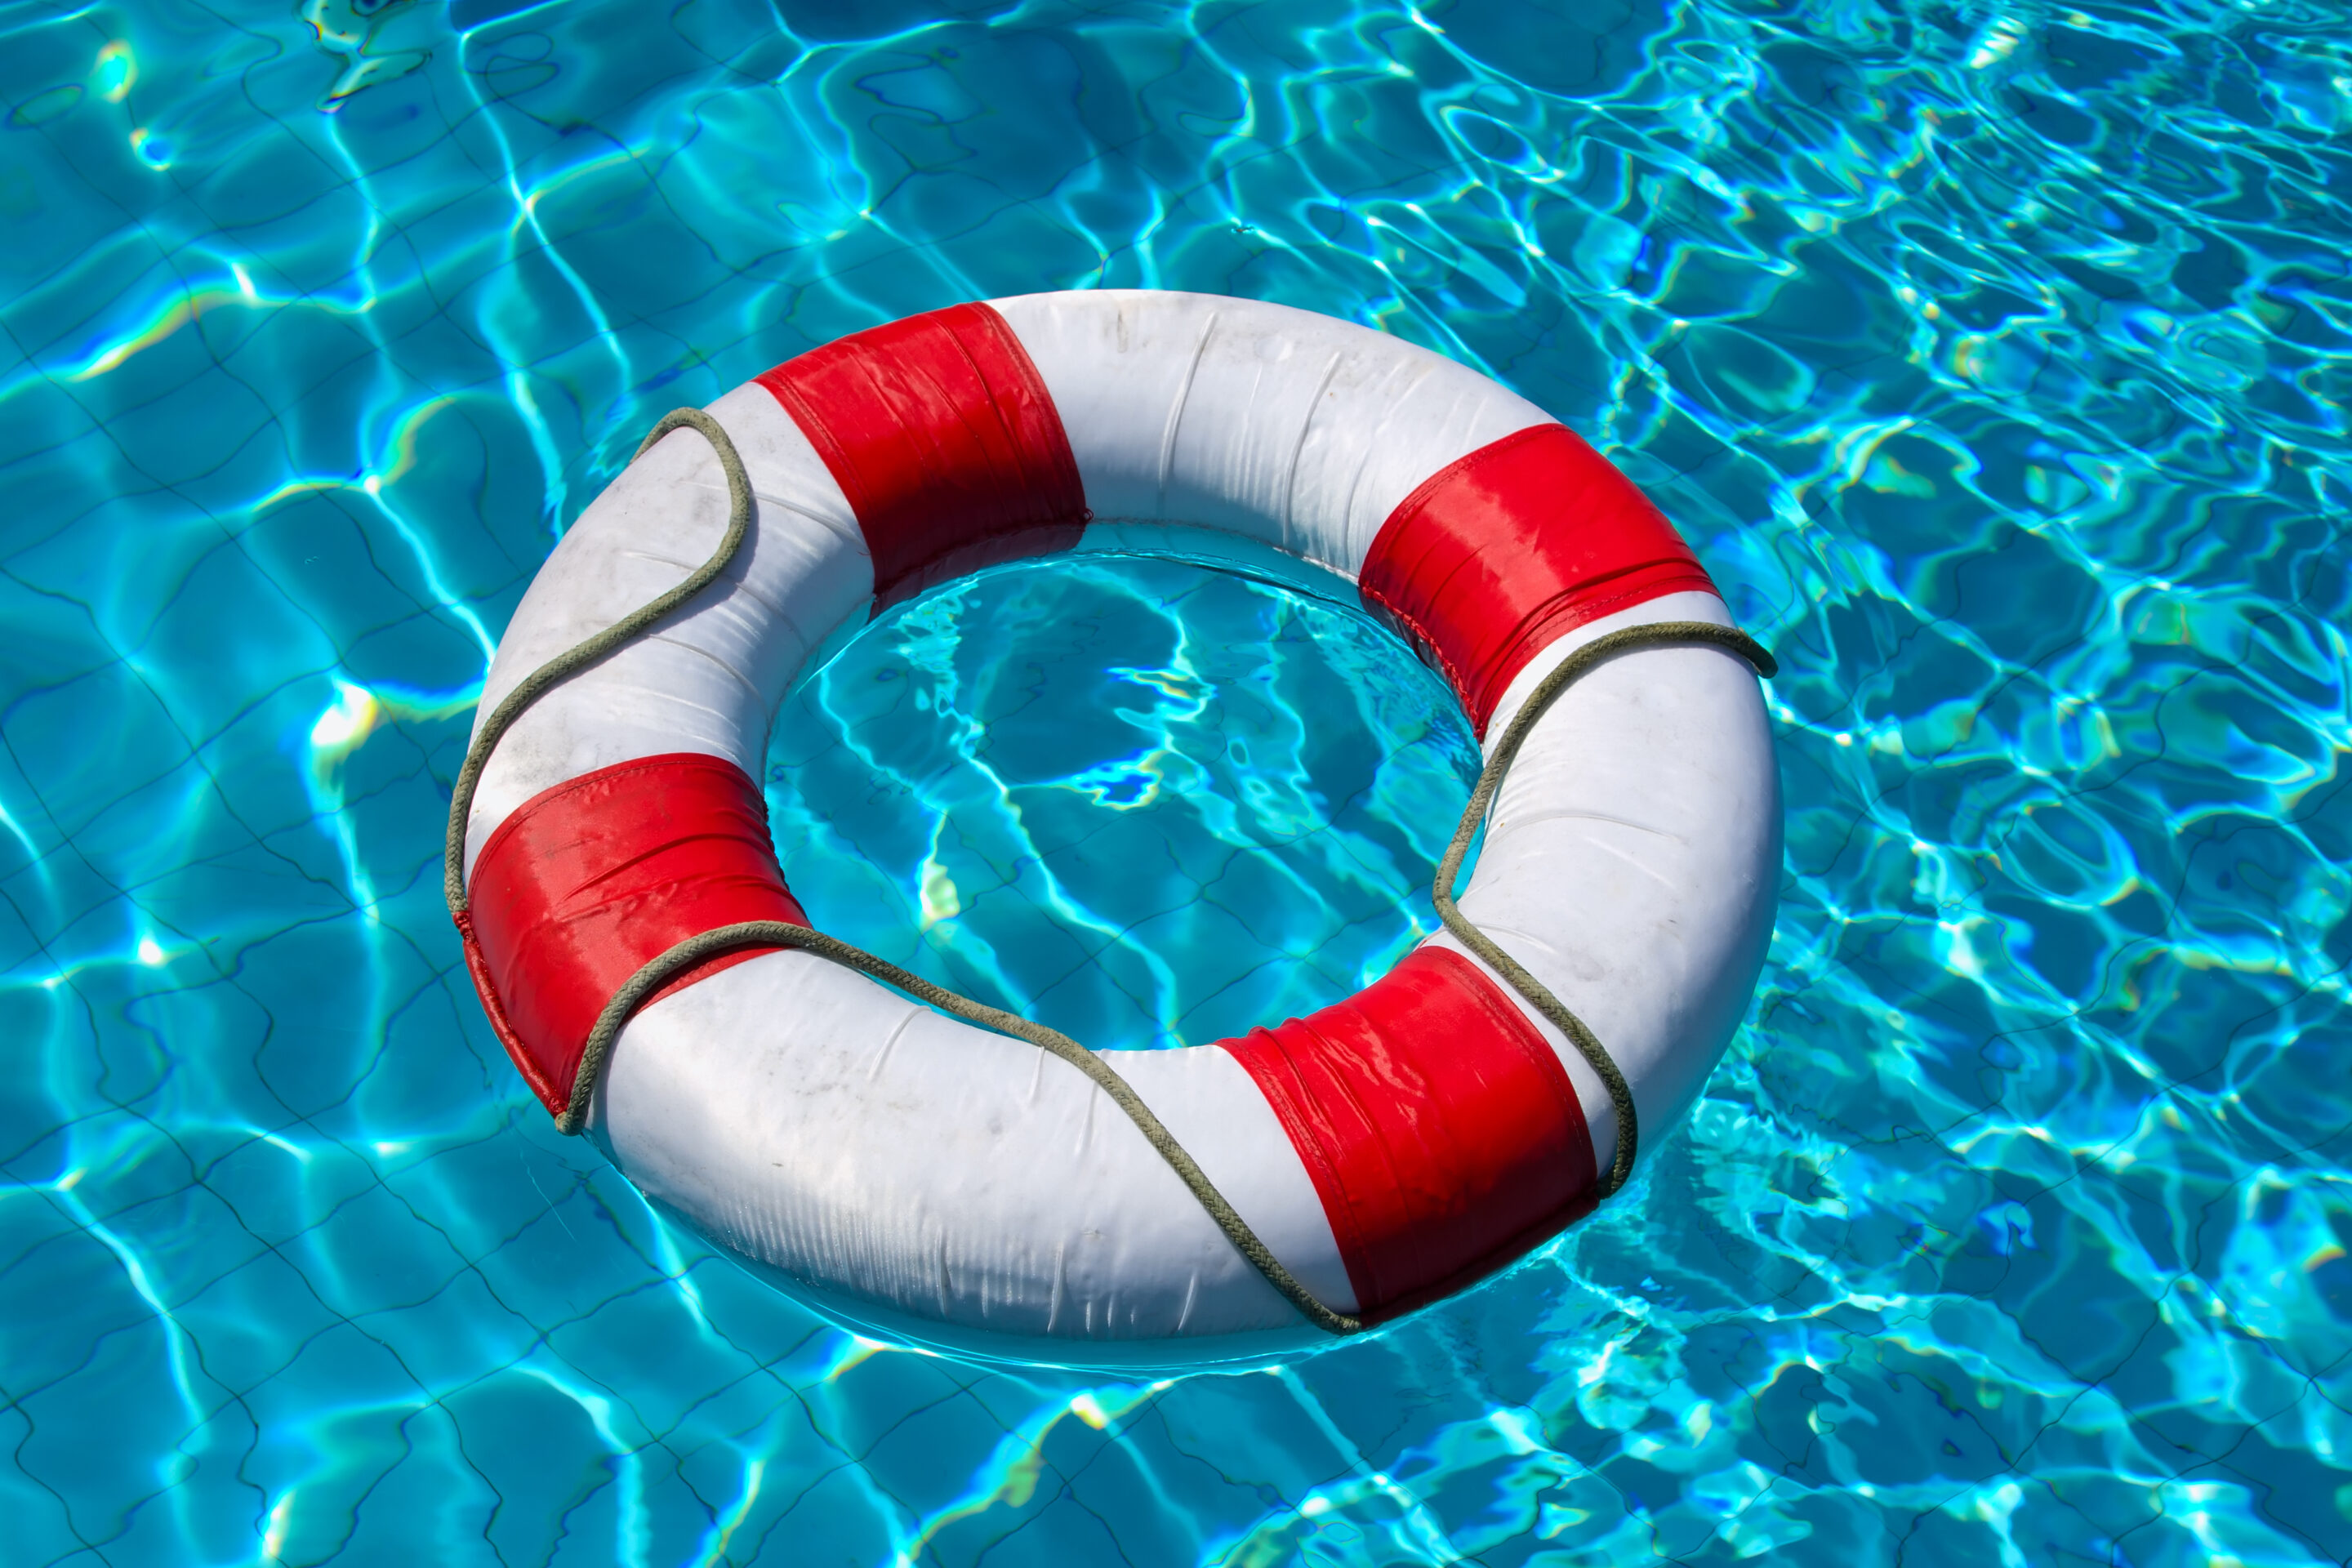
(1292, 429)
(878, 1146)
(1632, 857)
(709, 678)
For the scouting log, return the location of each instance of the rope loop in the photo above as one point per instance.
(709, 944)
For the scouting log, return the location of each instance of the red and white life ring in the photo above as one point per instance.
(926, 1175)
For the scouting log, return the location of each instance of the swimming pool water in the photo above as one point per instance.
(1145, 801)
(1996, 358)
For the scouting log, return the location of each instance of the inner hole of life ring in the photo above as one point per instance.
(1146, 801)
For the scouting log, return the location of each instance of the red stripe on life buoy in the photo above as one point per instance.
(942, 434)
(589, 881)
(1498, 554)
(1442, 1133)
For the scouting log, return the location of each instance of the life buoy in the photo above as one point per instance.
(839, 1125)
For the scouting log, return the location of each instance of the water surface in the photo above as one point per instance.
(1996, 358)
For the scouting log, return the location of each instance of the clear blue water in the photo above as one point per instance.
(1997, 358)
(1147, 801)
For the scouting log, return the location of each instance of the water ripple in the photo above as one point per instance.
(1997, 358)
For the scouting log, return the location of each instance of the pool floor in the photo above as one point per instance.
(1996, 361)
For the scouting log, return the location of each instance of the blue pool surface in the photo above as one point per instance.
(1148, 801)
(1997, 358)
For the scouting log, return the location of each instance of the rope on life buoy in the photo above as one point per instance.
(707, 944)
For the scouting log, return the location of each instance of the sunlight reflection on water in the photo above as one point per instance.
(1995, 359)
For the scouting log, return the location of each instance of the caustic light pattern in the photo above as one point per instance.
(1996, 358)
